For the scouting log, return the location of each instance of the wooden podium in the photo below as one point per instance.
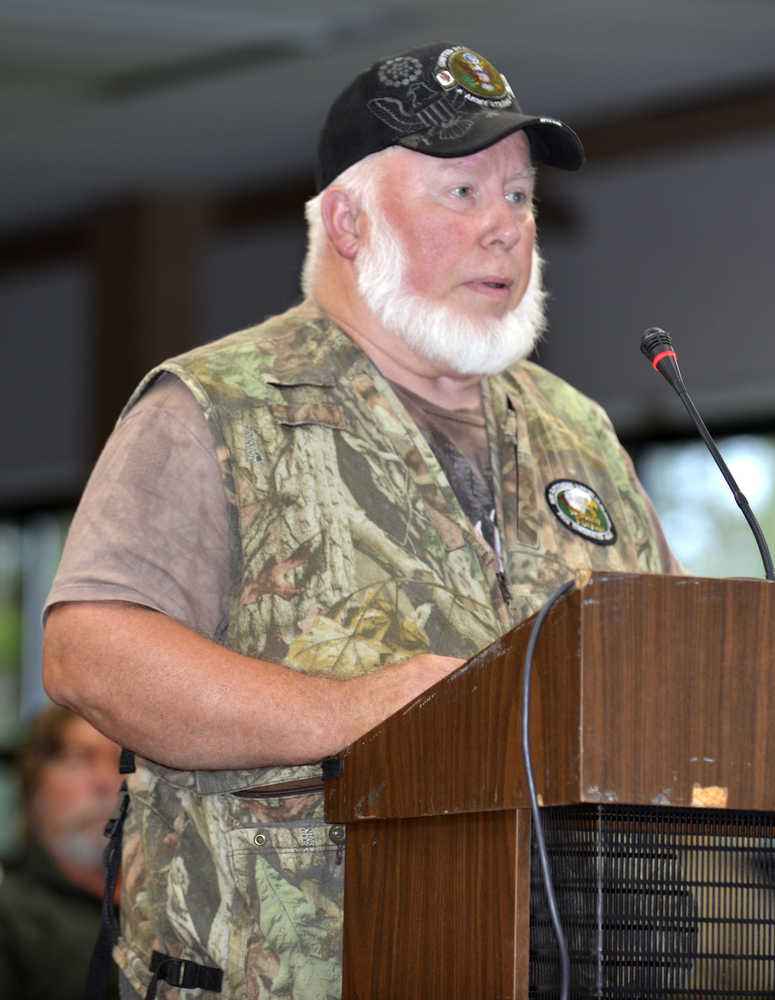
(647, 690)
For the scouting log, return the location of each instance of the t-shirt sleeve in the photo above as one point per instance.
(152, 527)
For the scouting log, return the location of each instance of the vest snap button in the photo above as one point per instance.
(337, 834)
(260, 839)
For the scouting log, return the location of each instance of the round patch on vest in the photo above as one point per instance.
(581, 510)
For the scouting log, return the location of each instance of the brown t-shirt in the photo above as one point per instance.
(458, 439)
(152, 525)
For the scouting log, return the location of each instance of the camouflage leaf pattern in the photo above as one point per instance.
(350, 552)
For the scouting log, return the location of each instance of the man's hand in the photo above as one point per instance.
(373, 697)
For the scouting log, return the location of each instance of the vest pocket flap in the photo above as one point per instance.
(299, 414)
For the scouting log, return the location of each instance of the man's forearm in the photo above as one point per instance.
(173, 696)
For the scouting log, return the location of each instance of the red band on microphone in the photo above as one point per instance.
(664, 354)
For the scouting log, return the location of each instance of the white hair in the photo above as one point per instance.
(360, 181)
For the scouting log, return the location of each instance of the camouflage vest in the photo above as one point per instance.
(349, 552)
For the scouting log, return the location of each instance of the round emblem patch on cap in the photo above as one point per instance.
(581, 510)
(476, 75)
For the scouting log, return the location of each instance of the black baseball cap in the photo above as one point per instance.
(441, 99)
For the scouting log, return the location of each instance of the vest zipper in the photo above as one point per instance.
(301, 787)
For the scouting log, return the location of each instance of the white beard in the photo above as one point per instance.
(468, 346)
(79, 838)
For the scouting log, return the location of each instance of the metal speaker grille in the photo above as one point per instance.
(656, 902)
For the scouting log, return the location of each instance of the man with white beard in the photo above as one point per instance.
(298, 529)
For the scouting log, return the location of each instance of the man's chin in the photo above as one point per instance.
(464, 344)
(84, 849)
(490, 364)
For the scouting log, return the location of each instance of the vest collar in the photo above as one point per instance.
(325, 353)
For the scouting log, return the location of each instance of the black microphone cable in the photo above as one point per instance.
(657, 346)
(538, 828)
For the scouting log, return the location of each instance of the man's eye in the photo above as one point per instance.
(517, 197)
(463, 191)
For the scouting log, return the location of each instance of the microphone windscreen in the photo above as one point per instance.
(654, 341)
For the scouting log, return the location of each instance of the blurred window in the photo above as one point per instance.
(704, 526)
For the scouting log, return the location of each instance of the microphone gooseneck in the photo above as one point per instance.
(658, 347)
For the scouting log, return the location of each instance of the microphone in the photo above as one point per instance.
(658, 348)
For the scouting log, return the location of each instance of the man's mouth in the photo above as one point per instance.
(495, 286)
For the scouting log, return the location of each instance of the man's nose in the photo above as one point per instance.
(501, 225)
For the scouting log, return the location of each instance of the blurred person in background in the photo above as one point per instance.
(50, 901)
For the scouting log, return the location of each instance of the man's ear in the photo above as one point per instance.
(340, 217)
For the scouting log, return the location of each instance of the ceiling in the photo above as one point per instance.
(101, 98)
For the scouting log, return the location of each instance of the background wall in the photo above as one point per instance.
(682, 240)
(156, 157)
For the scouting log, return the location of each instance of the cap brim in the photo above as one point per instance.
(551, 142)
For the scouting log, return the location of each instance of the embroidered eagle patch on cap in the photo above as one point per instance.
(581, 511)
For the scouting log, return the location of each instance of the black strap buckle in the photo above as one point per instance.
(332, 768)
(184, 974)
